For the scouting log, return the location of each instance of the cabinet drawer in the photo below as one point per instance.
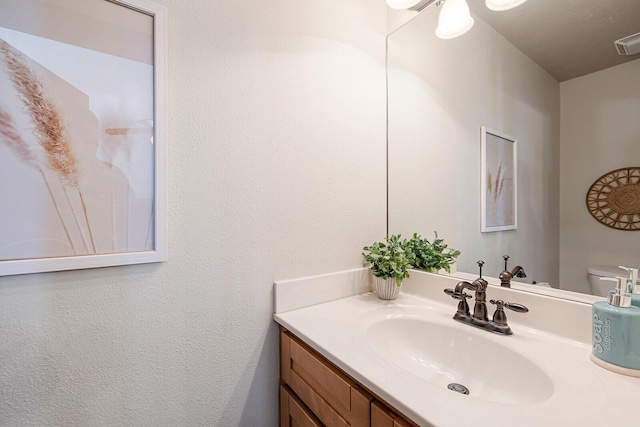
(333, 397)
(293, 413)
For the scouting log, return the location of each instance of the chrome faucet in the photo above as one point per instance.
(479, 318)
(506, 276)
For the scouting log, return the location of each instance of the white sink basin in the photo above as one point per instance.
(441, 355)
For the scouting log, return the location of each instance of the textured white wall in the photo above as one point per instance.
(600, 132)
(276, 170)
(440, 93)
(398, 17)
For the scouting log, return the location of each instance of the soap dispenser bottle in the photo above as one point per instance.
(616, 327)
(633, 287)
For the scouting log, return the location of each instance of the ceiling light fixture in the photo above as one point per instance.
(500, 5)
(454, 20)
(409, 4)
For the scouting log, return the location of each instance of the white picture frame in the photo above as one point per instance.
(104, 202)
(499, 181)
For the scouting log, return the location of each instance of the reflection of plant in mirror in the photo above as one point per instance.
(391, 258)
(431, 257)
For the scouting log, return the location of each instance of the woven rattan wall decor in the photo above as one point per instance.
(614, 199)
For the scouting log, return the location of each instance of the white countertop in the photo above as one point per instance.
(583, 394)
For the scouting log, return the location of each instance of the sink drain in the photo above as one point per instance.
(458, 388)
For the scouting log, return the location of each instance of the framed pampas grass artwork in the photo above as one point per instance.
(499, 189)
(82, 134)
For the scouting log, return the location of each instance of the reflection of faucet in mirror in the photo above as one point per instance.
(506, 276)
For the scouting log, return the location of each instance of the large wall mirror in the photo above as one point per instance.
(548, 75)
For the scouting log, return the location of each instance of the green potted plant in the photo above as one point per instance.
(431, 257)
(390, 262)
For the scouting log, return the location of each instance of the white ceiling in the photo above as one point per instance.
(568, 38)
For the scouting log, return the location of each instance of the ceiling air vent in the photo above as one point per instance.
(629, 45)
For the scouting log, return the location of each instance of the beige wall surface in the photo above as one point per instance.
(396, 18)
(600, 132)
(440, 94)
(276, 170)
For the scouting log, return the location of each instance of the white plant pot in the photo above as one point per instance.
(387, 288)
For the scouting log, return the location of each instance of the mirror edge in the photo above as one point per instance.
(519, 286)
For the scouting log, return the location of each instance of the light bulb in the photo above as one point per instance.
(454, 19)
(500, 5)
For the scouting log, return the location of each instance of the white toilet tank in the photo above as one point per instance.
(602, 287)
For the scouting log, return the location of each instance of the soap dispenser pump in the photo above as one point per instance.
(633, 287)
(616, 326)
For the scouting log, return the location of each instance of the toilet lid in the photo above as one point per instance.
(606, 271)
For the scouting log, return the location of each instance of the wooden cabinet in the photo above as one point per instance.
(314, 392)
(330, 395)
(293, 412)
(382, 416)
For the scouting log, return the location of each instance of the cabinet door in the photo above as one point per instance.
(294, 413)
(334, 398)
(381, 416)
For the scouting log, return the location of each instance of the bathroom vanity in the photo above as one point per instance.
(351, 359)
(314, 392)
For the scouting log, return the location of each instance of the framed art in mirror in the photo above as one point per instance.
(499, 205)
(82, 134)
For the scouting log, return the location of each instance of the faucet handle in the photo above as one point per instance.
(456, 295)
(499, 321)
(463, 306)
(516, 307)
(510, 305)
